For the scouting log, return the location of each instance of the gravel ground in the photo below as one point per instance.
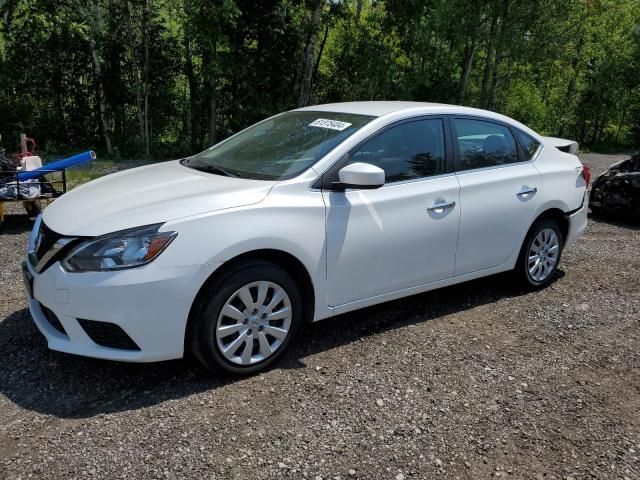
(474, 381)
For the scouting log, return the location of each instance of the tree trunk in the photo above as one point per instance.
(491, 101)
(59, 90)
(358, 10)
(135, 68)
(582, 136)
(571, 87)
(500, 44)
(305, 90)
(466, 71)
(506, 86)
(193, 96)
(601, 121)
(209, 58)
(319, 57)
(102, 106)
(213, 113)
(146, 86)
(97, 68)
(624, 114)
(488, 61)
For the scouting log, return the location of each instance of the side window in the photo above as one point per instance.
(529, 144)
(484, 144)
(407, 151)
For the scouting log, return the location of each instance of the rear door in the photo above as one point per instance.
(498, 192)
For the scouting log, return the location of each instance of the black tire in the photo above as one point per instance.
(522, 270)
(33, 208)
(212, 299)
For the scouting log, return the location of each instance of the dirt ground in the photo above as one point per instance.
(474, 381)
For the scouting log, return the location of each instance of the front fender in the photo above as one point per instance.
(293, 227)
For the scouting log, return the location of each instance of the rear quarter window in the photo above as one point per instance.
(529, 144)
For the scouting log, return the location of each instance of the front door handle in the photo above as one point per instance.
(439, 207)
(526, 191)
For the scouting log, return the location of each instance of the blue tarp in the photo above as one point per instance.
(58, 166)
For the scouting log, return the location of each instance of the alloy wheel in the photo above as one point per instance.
(543, 255)
(253, 323)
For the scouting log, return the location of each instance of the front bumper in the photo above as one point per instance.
(150, 304)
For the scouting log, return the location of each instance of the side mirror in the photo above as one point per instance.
(361, 176)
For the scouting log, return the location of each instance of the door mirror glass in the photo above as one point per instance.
(360, 176)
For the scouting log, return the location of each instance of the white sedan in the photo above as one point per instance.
(303, 216)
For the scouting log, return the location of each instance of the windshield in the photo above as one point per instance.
(281, 147)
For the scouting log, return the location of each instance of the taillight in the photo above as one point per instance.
(586, 174)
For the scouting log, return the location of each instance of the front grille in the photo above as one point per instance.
(47, 239)
(108, 334)
(53, 319)
(50, 247)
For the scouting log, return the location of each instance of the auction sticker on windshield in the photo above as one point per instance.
(331, 124)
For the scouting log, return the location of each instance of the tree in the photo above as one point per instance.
(91, 15)
(165, 78)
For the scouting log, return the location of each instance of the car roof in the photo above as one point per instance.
(374, 108)
(382, 108)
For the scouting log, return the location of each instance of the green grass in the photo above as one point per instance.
(85, 173)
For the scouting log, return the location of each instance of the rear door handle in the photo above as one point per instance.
(527, 190)
(439, 207)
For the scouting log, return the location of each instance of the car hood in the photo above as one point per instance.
(147, 195)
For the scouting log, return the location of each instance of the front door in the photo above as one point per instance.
(403, 234)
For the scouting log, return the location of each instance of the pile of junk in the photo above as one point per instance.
(24, 178)
(615, 194)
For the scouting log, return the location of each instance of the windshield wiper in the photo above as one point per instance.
(215, 169)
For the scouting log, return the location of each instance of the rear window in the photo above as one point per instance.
(529, 144)
(484, 144)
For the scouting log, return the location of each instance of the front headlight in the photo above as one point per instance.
(119, 250)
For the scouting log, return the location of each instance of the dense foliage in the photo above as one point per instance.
(165, 78)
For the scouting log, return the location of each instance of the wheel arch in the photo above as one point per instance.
(283, 259)
(559, 216)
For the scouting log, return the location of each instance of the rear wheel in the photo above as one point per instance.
(246, 318)
(540, 253)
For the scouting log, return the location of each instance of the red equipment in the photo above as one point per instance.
(27, 148)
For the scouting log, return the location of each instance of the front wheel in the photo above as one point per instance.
(540, 253)
(246, 318)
